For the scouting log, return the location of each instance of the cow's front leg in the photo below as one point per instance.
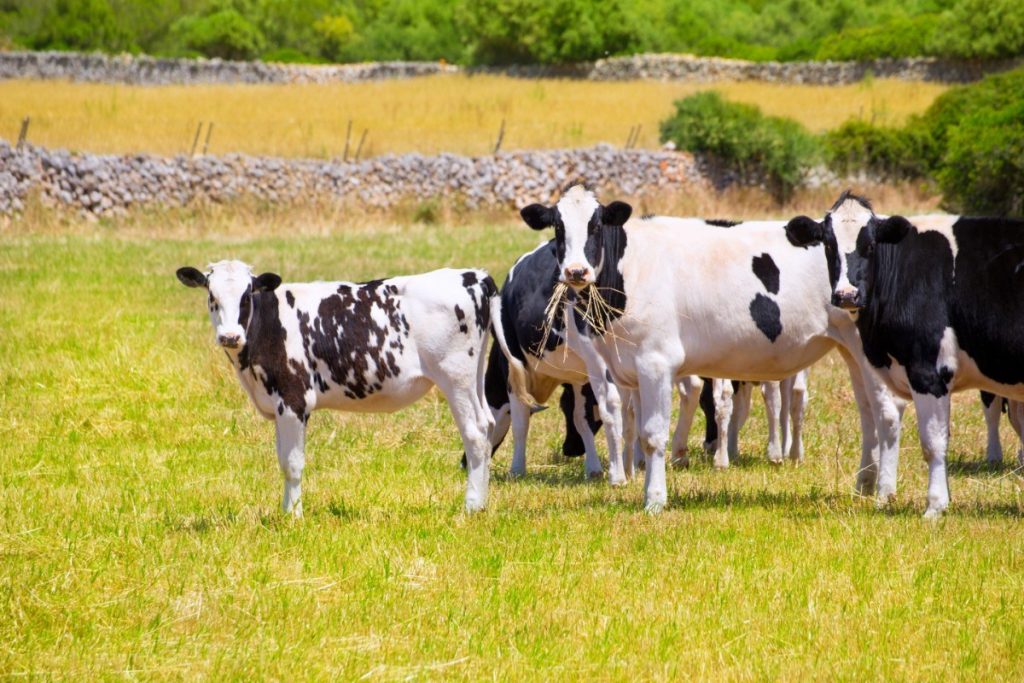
(740, 412)
(291, 457)
(933, 425)
(655, 413)
(795, 395)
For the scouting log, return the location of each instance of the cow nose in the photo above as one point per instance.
(847, 299)
(229, 341)
(576, 274)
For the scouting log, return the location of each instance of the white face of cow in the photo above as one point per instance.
(230, 285)
(578, 220)
(848, 217)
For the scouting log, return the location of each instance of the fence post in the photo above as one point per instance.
(348, 138)
(209, 131)
(362, 139)
(501, 137)
(23, 134)
(195, 140)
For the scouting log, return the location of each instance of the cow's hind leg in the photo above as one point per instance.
(689, 397)
(772, 392)
(520, 414)
(993, 409)
(290, 430)
(740, 412)
(933, 425)
(795, 391)
(723, 392)
(579, 418)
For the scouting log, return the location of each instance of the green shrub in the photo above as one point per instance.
(84, 25)
(740, 137)
(224, 33)
(982, 170)
(900, 37)
(981, 29)
(893, 153)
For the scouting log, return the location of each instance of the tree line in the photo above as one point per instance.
(503, 32)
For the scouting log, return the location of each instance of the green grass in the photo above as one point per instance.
(140, 533)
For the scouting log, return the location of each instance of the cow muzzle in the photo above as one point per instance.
(229, 341)
(847, 299)
(576, 276)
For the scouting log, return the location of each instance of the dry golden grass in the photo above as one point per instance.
(460, 114)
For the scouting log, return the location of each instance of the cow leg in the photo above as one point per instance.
(933, 425)
(474, 422)
(290, 433)
(655, 412)
(1015, 411)
(689, 396)
(867, 474)
(579, 418)
(723, 413)
(796, 392)
(992, 406)
(707, 406)
(773, 407)
(520, 414)
(740, 412)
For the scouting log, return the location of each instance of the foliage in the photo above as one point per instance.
(741, 137)
(83, 25)
(223, 33)
(982, 171)
(537, 31)
(884, 151)
(982, 29)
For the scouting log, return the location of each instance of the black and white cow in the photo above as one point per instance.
(994, 407)
(369, 347)
(939, 308)
(685, 297)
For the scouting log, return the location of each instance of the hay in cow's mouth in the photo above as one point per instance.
(593, 308)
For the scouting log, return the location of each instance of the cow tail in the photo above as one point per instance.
(517, 378)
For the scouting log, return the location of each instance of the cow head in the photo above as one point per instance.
(230, 285)
(840, 233)
(579, 222)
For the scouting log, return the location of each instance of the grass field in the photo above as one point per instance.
(460, 114)
(140, 534)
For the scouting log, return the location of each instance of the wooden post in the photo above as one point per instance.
(348, 138)
(209, 131)
(195, 140)
(501, 137)
(636, 136)
(362, 139)
(23, 134)
(629, 137)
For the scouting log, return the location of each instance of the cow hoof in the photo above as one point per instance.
(654, 507)
(865, 487)
(933, 514)
(883, 500)
(599, 474)
(776, 461)
(681, 462)
(473, 505)
(517, 472)
(721, 465)
(617, 482)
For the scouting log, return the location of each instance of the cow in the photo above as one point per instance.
(994, 407)
(681, 297)
(374, 346)
(937, 302)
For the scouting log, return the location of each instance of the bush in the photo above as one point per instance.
(740, 137)
(83, 25)
(892, 153)
(982, 29)
(223, 33)
(901, 37)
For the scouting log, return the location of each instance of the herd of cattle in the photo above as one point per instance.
(622, 311)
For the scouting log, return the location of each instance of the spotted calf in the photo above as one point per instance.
(368, 347)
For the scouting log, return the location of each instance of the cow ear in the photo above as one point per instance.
(538, 216)
(267, 282)
(892, 230)
(616, 213)
(804, 232)
(191, 277)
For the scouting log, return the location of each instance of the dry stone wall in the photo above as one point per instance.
(109, 184)
(145, 70)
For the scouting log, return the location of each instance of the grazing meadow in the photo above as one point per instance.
(450, 113)
(140, 533)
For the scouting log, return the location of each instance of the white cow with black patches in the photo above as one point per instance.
(690, 298)
(368, 347)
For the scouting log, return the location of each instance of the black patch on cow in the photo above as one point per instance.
(524, 299)
(907, 292)
(480, 291)
(245, 307)
(342, 333)
(609, 281)
(264, 347)
(767, 272)
(647, 216)
(767, 316)
(721, 222)
(462, 319)
(707, 406)
(290, 298)
(849, 195)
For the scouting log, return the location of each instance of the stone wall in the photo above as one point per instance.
(667, 67)
(110, 184)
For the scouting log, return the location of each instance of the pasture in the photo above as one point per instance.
(459, 114)
(140, 534)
